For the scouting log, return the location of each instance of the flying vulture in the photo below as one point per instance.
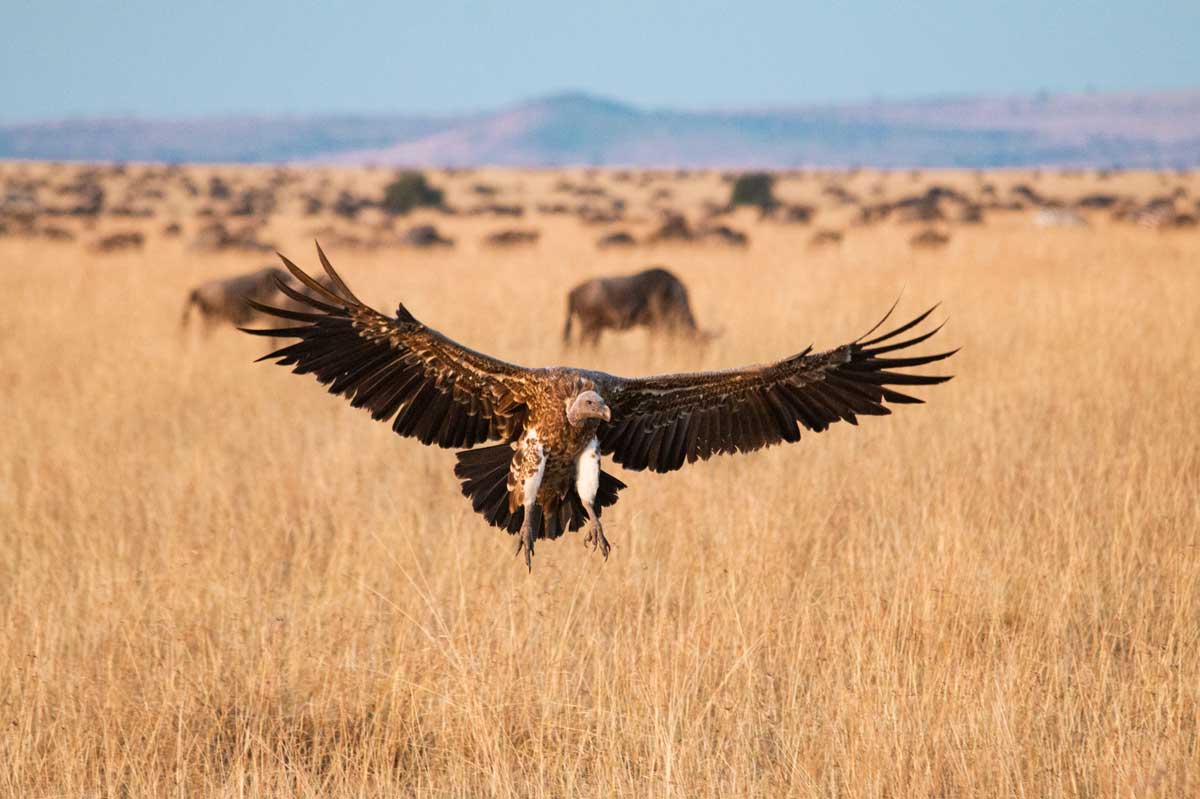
(553, 424)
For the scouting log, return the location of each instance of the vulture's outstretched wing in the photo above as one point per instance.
(662, 422)
(433, 389)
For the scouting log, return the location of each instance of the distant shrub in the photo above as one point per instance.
(756, 189)
(408, 191)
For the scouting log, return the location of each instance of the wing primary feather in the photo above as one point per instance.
(899, 330)
(900, 378)
(334, 276)
(899, 363)
(848, 402)
(299, 316)
(857, 397)
(886, 316)
(277, 332)
(304, 278)
(831, 400)
(900, 399)
(874, 351)
(309, 300)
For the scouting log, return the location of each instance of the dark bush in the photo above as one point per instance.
(756, 189)
(408, 191)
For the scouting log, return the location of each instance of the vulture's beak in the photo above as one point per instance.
(607, 414)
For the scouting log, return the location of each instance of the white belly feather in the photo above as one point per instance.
(587, 472)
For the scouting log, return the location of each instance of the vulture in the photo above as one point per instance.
(553, 424)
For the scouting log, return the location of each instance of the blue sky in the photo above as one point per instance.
(158, 59)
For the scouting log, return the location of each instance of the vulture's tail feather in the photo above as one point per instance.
(484, 475)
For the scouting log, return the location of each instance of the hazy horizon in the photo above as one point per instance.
(146, 61)
(849, 102)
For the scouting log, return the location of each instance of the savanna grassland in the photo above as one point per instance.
(218, 580)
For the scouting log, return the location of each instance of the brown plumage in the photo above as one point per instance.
(544, 477)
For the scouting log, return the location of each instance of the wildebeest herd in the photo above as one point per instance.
(122, 208)
(126, 207)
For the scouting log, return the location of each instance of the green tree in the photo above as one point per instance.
(756, 189)
(408, 191)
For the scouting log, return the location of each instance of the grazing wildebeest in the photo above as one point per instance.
(425, 236)
(1059, 217)
(512, 238)
(725, 235)
(929, 240)
(224, 300)
(825, 237)
(117, 242)
(618, 239)
(654, 298)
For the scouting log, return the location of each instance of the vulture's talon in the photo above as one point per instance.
(595, 537)
(525, 542)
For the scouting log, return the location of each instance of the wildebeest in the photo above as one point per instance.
(224, 300)
(512, 238)
(117, 242)
(215, 237)
(618, 239)
(725, 235)
(825, 237)
(425, 236)
(1059, 217)
(929, 240)
(674, 227)
(654, 298)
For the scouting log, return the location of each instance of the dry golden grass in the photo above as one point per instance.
(217, 580)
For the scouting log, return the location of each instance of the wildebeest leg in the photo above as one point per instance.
(210, 320)
(192, 301)
(567, 327)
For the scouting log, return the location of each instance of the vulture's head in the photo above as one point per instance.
(588, 405)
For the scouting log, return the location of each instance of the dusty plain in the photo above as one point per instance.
(218, 580)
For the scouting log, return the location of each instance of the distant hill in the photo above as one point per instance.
(1148, 129)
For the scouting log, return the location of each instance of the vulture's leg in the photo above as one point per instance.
(587, 481)
(531, 468)
(595, 531)
(525, 539)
